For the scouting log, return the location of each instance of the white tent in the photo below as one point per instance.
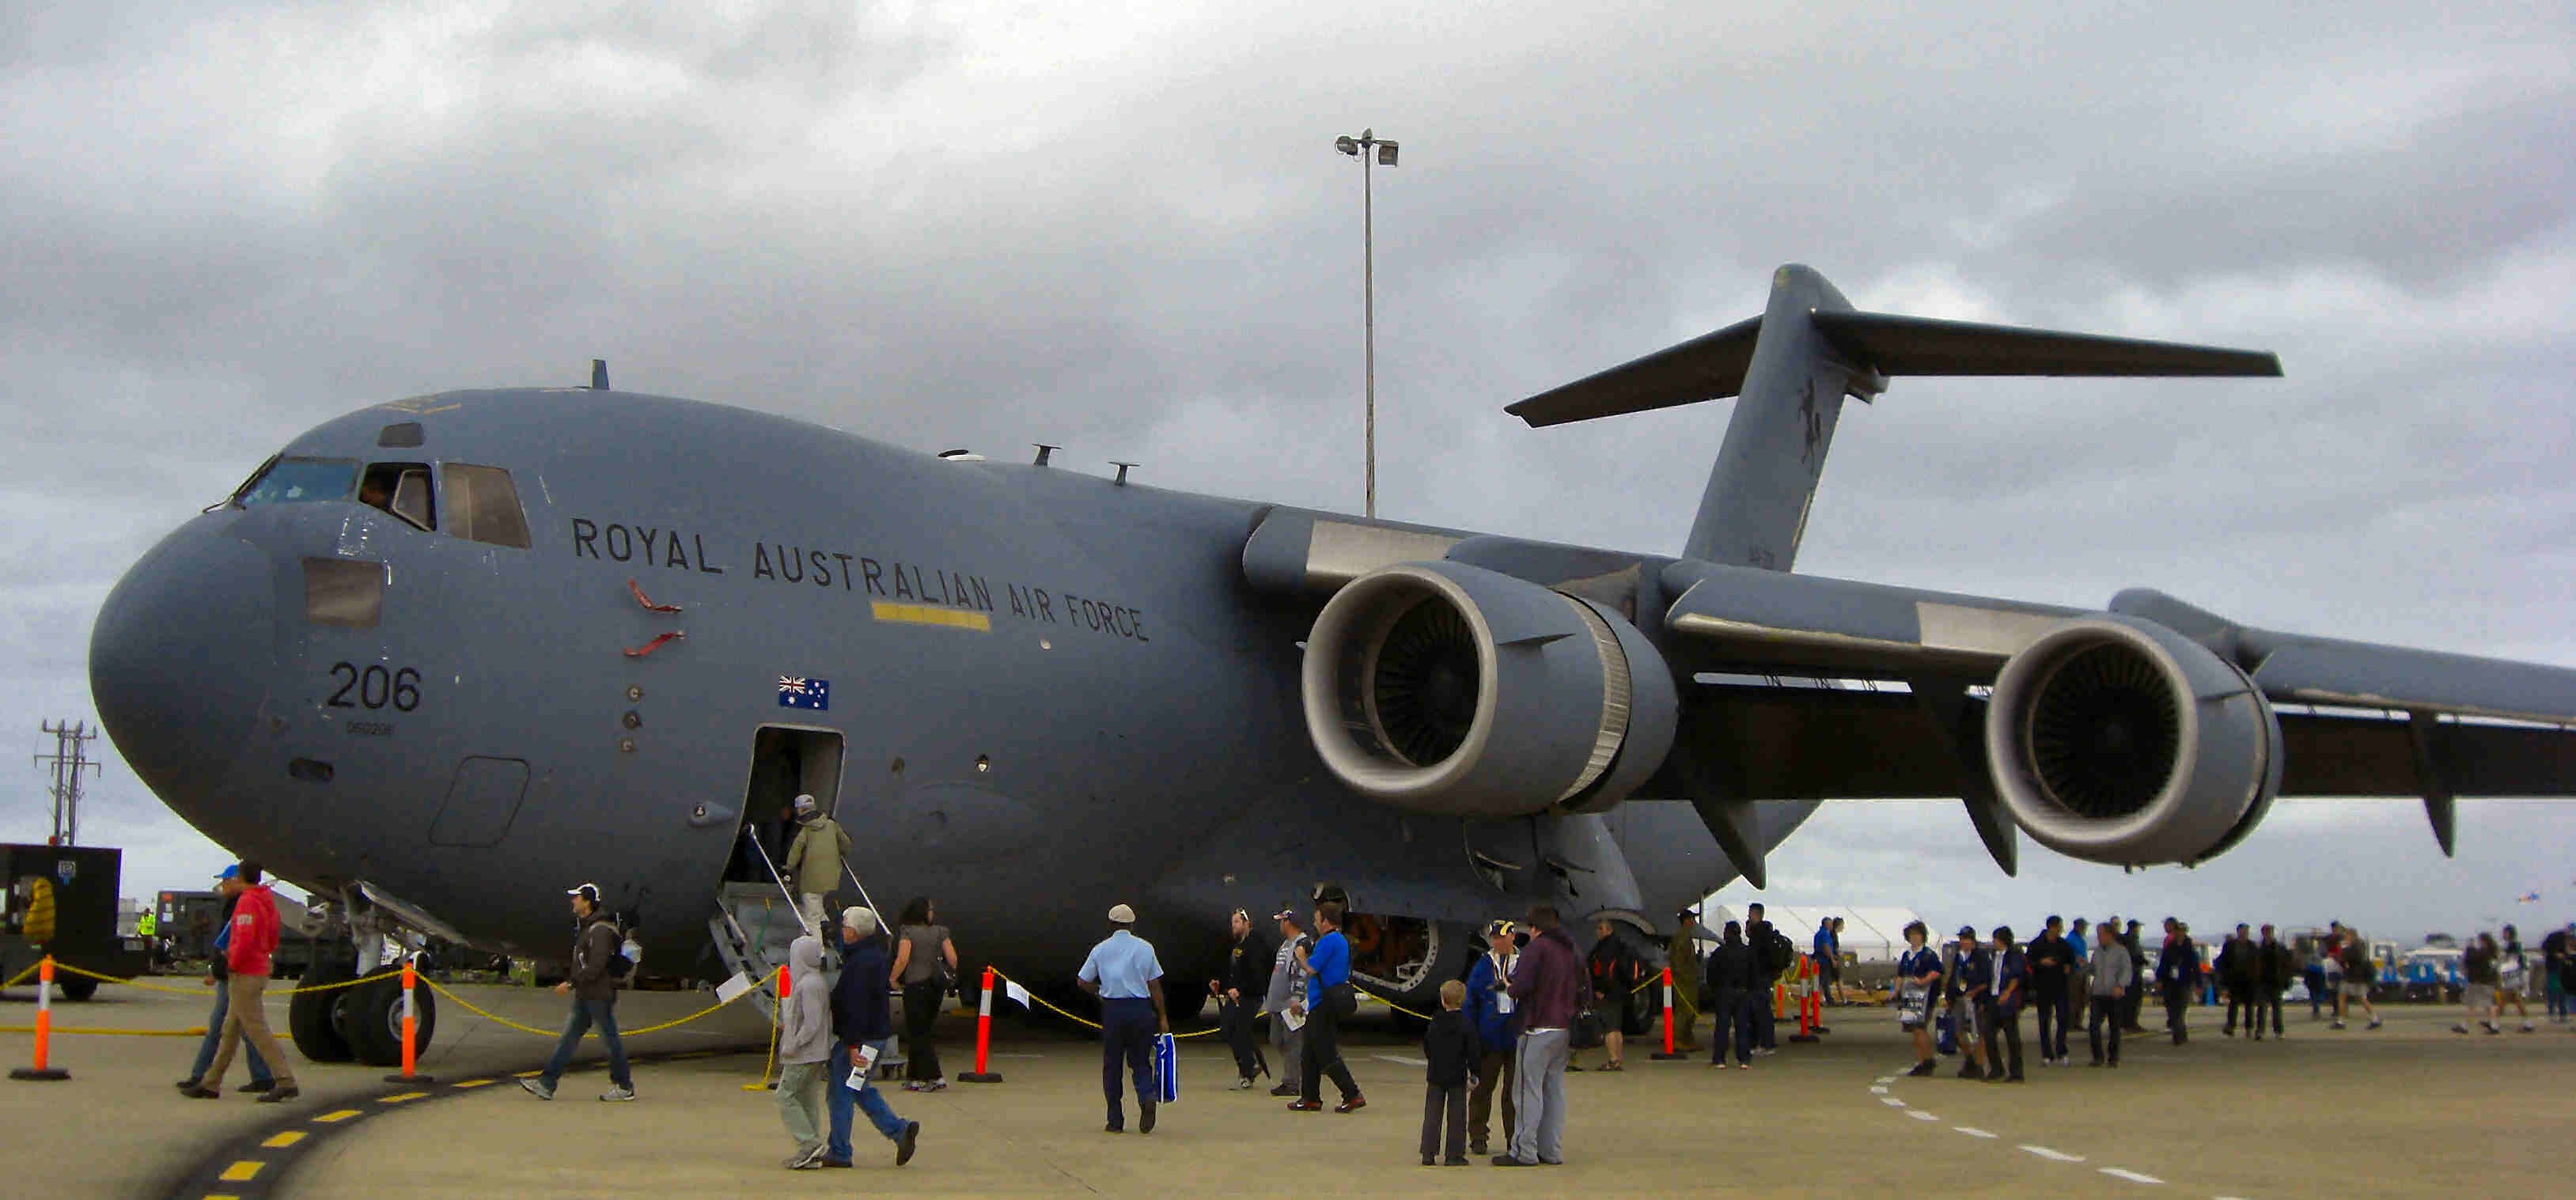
(1871, 934)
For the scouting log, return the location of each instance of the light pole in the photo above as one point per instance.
(1359, 148)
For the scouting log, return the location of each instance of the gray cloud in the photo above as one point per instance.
(960, 225)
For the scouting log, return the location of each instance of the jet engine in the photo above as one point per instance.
(2117, 740)
(1444, 688)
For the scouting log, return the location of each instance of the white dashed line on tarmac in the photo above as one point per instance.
(1887, 1079)
(1891, 1102)
(2052, 1155)
(1920, 1115)
(1398, 1058)
(1876, 1090)
(2131, 1176)
(1974, 1133)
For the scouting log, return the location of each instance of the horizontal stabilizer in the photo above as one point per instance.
(1708, 367)
(1875, 345)
(1899, 345)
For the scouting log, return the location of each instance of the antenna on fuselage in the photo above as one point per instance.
(599, 374)
(1122, 471)
(1044, 452)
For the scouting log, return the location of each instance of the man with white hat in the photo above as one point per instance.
(593, 988)
(1124, 973)
(862, 1022)
(813, 863)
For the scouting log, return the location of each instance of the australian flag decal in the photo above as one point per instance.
(796, 691)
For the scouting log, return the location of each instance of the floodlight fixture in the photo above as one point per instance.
(1386, 154)
(1347, 145)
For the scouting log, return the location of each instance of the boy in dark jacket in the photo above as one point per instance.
(1451, 1048)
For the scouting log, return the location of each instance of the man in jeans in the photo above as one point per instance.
(1549, 987)
(251, 937)
(862, 1021)
(2114, 977)
(593, 989)
(228, 885)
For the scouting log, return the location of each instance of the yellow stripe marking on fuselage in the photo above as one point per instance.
(930, 614)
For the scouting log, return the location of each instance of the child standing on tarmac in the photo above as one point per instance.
(1450, 1047)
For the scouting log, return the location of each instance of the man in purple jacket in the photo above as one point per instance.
(1549, 987)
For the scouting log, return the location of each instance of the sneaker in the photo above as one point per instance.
(1429, 1161)
(1925, 1067)
(2526, 1027)
(911, 1139)
(807, 1159)
(187, 1085)
(912, 1085)
(538, 1088)
(1244, 1084)
(1505, 1160)
(1147, 1124)
(1305, 1106)
(935, 1085)
(280, 1094)
(1970, 1071)
(618, 1095)
(1452, 1161)
(2336, 1025)
(1352, 1105)
(2374, 1023)
(1283, 1090)
(256, 1085)
(836, 1162)
(2459, 1029)
(2491, 1030)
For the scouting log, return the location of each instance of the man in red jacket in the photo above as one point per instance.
(253, 939)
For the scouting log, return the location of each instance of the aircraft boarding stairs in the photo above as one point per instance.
(752, 928)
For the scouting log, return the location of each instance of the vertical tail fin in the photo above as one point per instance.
(1795, 364)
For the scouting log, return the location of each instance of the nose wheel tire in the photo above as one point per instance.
(309, 1015)
(370, 1020)
(76, 988)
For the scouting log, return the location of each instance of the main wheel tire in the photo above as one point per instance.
(77, 988)
(371, 1020)
(309, 1015)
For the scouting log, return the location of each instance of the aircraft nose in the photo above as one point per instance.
(179, 661)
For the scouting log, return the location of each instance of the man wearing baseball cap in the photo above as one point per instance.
(1489, 1010)
(1124, 973)
(593, 988)
(220, 977)
(1288, 980)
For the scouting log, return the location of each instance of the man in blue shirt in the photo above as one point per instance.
(1972, 977)
(1124, 973)
(1329, 998)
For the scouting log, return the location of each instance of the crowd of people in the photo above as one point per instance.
(1508, 1029)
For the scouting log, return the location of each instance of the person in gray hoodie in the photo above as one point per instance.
(805, 1051)
(2114, 974)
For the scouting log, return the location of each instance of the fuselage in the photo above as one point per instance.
(1045, 692)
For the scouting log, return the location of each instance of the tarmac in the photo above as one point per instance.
(2408, 1110)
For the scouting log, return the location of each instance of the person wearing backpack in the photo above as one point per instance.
(1616, 972)
(598, 963)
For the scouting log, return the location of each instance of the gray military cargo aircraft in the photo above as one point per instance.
(444, 657)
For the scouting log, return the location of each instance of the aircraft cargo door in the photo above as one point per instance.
(786, 761)
(481, 802)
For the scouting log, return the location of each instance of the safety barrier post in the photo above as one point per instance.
(1806, 995)
(42, 1070)
(1667, 1054)
(411, 1024)
(983, 1072)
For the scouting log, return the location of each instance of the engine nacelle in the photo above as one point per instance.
(1445, 688)
(2117, 740)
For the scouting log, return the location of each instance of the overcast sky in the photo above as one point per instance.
(1122, 228)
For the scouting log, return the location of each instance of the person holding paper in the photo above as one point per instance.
(862, 1021)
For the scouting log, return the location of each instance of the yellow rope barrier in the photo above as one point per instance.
(22, 976)
(497, 1019)
(394, 973)
(1368, 996)
(200, 1031)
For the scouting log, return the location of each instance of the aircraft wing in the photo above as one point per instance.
(2147, 689)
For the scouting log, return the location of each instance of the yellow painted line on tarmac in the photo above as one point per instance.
(221, 1196)
(399, 1097)
(930, 614)
(475, 1083)
(242, 1171)
(527, 1074)
(284, 1140)
(334, 1118)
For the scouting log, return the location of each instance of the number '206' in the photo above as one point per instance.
(375, 687)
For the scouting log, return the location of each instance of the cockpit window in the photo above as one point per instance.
(401, 489)
(296, 480)
(483, 506)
